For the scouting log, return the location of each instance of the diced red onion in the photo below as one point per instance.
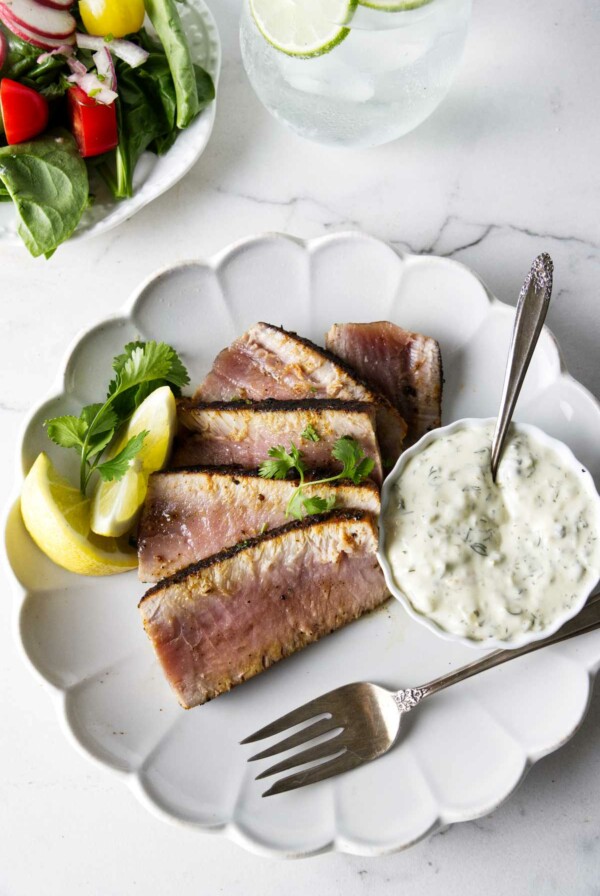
(126, 50)
(94, 87)
(89, 41)
(106, 68)
(65, 50)
(131, 53)
(77, 67)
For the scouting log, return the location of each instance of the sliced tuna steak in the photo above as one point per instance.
(241, 433)
(269, 362)
(191, 514)
(217, 623)
(405, 367)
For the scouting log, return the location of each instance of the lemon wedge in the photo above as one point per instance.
(116, 504)
(57, 517)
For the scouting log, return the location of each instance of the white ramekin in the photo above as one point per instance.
(536, 434)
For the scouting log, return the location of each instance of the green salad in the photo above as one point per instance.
(84, 90)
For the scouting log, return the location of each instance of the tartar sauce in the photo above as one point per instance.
(485, 560)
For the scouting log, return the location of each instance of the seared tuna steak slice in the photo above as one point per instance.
(190, 514)
(405, 367)
(219, 622)
(269, 362)
(241, 433)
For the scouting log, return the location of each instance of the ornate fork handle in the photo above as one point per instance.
(585, 621)
(409, 698)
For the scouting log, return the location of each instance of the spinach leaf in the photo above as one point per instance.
(48, 183)
(205, 87)
(146, 110)
(164, 16)
(21, 65)
(206, 94)
(147, 114)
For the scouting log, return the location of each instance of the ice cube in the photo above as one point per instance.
(384, 51)
(327, 76)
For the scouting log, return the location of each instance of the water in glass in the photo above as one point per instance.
(381, 81)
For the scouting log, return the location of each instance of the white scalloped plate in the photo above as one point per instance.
(463, 753)
(153, 175)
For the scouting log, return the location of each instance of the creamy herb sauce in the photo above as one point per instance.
(487, 560)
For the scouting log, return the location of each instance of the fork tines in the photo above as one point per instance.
(301, 714)
(332, 752)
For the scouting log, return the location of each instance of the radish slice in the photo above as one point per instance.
(41, 20)
(32, 37)
(126, 50)
(106, 68)
(3, 49)
(94, 87)
(56, 4)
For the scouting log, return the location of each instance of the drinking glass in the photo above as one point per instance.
(386, 76)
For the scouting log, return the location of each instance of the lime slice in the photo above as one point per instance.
(57, 517)
(116, 504)
(303, 27)
(393, 5)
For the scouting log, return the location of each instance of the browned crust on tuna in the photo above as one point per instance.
(247, 544)
(242, 473)
(334, 359)
(325, 353)
(273, 405)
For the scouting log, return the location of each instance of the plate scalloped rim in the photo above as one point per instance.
(231, 829)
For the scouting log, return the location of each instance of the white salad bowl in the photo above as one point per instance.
(538, 435)
(154, 175)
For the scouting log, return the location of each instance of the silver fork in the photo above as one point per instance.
(364, 719)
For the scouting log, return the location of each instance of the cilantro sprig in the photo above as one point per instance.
(355, 466)
(139, 370)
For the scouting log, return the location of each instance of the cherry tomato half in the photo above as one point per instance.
(94, 125)
(24, 111)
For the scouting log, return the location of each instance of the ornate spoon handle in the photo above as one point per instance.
(531, 313)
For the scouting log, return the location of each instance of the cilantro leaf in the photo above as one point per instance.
(94, 415)
(101, 424)
(281, 462)
(356, 466)
(299, 464)
(96, 444)
(295, 505)
(318, 504)
(139, 370)
(67, 431)
(349, 453)
(311, 434)
(142, 362)
(117, 466)
(363, 470)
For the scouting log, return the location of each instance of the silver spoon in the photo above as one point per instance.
(532, 307)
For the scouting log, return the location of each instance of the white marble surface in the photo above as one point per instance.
(506, 168)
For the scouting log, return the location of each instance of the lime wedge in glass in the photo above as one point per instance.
(393, 5)
(303, 28)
